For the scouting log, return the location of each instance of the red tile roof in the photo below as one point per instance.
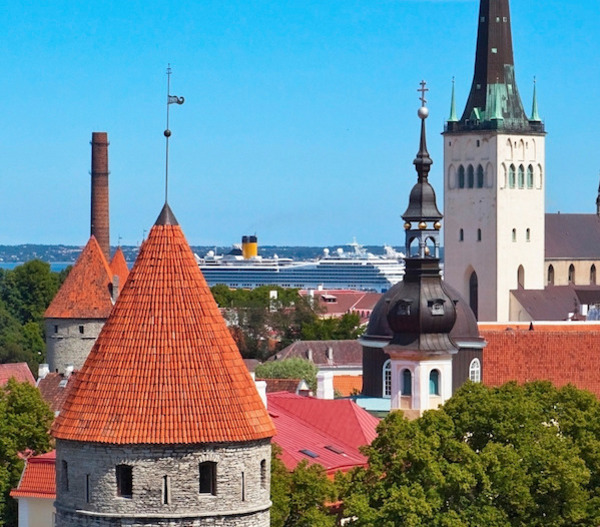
(54, 388)
(118, 266)
(320, 427)
(164, 369)
(282, 385)
(86, 291)
(19, 370)
(562, 357)
(38, 479)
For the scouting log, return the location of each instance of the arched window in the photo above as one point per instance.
(540, 181)
(521, 176)
(593, 275)
(528, 235)
(530, 176)
(475, 371)
(406, 382)
(480, 177)
(461, 176)
(521, 277)
(434, 382)
(387, 378)
(514, 235)
(478, 235)
(461, 235)
(571, 274)
(474, 294)
(470, 176)
(550, 275)
(511, 176)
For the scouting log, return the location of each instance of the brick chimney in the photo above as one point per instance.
(99, 218)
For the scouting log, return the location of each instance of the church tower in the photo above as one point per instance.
(494, 169)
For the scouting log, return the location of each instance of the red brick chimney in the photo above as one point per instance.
(99, 218)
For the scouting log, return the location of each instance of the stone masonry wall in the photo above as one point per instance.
(66, 344)
(96, 503)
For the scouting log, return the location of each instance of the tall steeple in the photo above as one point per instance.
(494, 102)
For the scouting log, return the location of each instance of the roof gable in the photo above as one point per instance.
(86, 291)
(38, 479)
(164, 369)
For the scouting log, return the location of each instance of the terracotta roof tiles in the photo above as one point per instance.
(118, 266)
(38, 479)
(86, 291)
(20, 371)
(164, 369)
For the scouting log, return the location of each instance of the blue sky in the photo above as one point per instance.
(300, 117)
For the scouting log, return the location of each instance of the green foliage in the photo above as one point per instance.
(294, 368)
(347, 327)
(25, 293)
(25, 420)
(299, 497)
(509, 456)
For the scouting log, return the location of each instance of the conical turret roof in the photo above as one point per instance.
(85, 292)
(165, 369)
(118, 266)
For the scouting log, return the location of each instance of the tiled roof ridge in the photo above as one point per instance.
(164, 369)
(85, 292)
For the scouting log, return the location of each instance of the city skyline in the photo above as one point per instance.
(300, 118)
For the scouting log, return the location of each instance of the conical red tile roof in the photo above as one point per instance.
(118, 266)
(165, 369)
(86, 291)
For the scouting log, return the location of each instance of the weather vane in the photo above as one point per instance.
(171, 99)
(423, 90)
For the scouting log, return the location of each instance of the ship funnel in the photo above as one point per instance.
(249, 247)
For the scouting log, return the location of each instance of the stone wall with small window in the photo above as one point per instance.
(69, 341)
(139, 484)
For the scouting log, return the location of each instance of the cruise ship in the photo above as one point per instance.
(356, 269)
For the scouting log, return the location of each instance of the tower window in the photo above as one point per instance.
(475, 371)
(406, 382)
(243, 487)
(81, 330)
(478, 142)
(530, 176)
(387, 378)
(65, 475)
(124, 481)
(571, 274)
(87, 488)
(593, 275)
(474, 294)
(208, 478)
(521, 277)
(528, 235)
(478, 235)
(511, 176)
(263, 473)
(434, 382)
(461, 176)
(514, 235)
(55, 329)
(480, 177)
(470, 176)
(461, 235)
(166, 493)
(551, 275)
(521, 176)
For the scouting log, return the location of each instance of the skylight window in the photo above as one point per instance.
(309, 453)
(334, 449)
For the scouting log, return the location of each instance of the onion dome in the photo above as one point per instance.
(164, 369)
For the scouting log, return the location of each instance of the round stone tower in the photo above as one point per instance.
(164, 425)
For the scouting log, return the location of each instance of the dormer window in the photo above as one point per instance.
(404, 307)
(436, 306)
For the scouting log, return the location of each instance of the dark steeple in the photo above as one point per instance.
(494, 102)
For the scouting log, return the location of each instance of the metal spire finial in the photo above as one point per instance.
(170, 100)
(423, 162)
(453, 118)
(535, 116)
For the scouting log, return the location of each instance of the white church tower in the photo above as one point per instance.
(494, 178)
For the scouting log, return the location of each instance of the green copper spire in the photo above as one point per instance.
(535, 116)
(498, 115)
(453, 118)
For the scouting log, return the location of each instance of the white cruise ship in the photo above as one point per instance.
(356, 269)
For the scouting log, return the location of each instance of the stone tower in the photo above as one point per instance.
(164, 425)
(79, 309)
(99, 219)
(494, 169)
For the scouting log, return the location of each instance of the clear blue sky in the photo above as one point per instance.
(300, 116)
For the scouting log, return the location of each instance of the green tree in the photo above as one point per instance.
(25, 420)
(347, 327)
(294, 368)
(300, 497)
(508, 456)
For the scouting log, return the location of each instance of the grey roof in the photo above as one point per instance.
(344, 352)
(556, 302)
(572, 236)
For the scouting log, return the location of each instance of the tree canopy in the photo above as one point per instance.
(499, 457)
(25, 420)
(293, 368)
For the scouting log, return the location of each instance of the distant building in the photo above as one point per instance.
(19, 371)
